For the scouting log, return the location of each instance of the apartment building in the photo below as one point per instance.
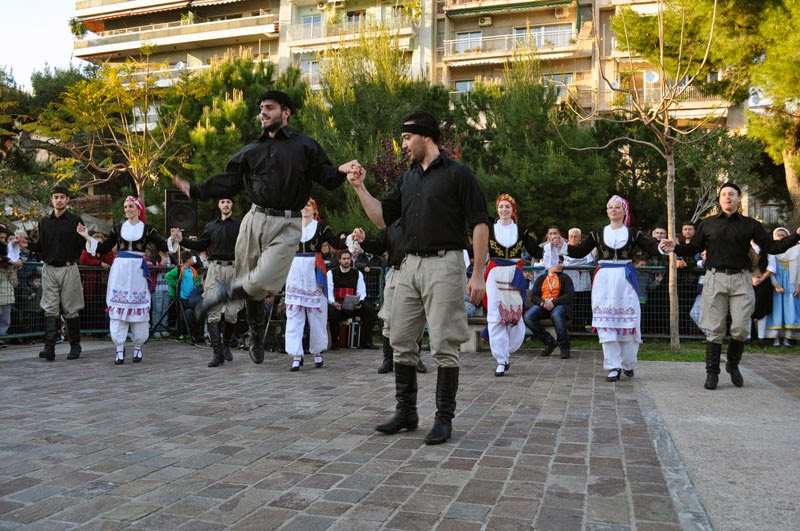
(453, 42)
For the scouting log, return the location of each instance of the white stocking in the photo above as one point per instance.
(629, 354)
(139, 332)
(612, 355)
(295, 322)
(762, 327)
(318, 330)
(498, 342)
(119, 332)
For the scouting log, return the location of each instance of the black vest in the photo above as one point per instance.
(345, 280)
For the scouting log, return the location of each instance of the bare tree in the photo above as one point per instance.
(679, 60)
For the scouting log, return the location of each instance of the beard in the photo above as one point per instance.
(272, 127)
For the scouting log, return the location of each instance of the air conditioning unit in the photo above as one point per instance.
(562, 12)
(321, 5)
(336, 3)
(484, 21)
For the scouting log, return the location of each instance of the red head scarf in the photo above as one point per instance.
(625, 207)
(139, 205)
(314, 206)
(506, 197)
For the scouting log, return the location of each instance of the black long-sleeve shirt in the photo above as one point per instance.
(274, 172)
(389, 240)
(726, 238)
(219, 237)
(436, 206)
(59, 242)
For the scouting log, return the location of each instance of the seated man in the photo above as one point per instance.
(551, 296)
(345, 280)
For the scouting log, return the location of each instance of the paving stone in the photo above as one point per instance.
(550, 447)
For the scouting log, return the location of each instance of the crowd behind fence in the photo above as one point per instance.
(27, 318)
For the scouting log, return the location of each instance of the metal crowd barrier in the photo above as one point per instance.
(27, 318)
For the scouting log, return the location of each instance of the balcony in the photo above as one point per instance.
(456, 7)
(552, 45)
(177, 33)
(691, 103)
(304, 32)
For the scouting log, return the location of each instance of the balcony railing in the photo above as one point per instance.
(611, 98)
(322, 30)
(171, 29)
(505, 43)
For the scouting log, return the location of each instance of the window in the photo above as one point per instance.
(312, 26)
(556, 35)
(465, 85)
(355, 19)
(557, 82)
(310, 70)
(468, 41)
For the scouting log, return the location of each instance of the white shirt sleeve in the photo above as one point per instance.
(772, 265)
(331, 298)
(361, 290)
(91, 246)
(172, 246)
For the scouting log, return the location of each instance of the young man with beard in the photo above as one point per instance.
(435, 200)
(275, 172)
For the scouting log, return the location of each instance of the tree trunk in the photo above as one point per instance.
(792, 182)
(674, 330)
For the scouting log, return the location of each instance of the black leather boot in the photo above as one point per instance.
(388, 357)
(227, 340)
(74, 331)
(405, 416)
(735, 349)
(256, 320)
(713, 352)
(216, 345)
(446, 390)
(51, 325)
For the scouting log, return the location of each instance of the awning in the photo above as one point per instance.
(507, 8)
(204, 3)
(136, 11)
(495, 60)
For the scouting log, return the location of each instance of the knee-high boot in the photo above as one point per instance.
(735, 349)
(227, 334)
(216, 344)
(388, 357)
(74, 331)
(50, 337)
(405, 416)
(713, 352)
(256, 320)
(446, 390)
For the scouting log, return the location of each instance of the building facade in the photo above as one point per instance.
(452, 42)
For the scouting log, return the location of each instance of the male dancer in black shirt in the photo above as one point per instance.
(435, 200)
(728, 285)
(276, 172)
(60, 247)
(219, 238)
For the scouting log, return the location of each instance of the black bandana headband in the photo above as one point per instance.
(418, 129)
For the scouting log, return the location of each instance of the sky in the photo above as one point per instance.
(34, 33)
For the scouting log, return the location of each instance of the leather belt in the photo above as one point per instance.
(277, 213)
(62, 264)
(727, 271)
(223, 262)
(428, 254)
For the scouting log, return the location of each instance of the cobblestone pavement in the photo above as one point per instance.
(171, 444)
